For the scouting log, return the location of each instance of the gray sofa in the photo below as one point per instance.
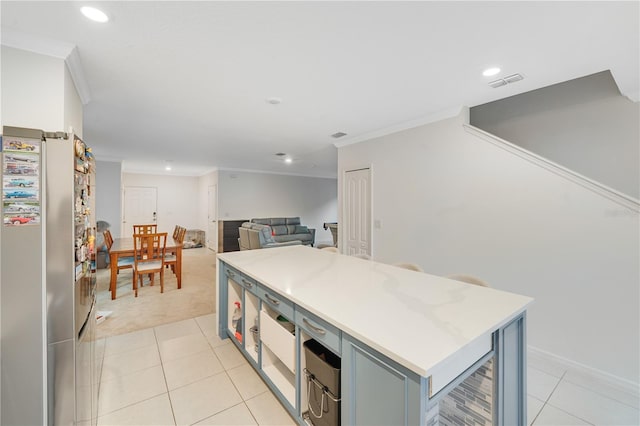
(288, 229)
(256, 236)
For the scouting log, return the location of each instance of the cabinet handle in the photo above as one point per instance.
(247, 284)
(271, 299)
(318, 330)
(230, 273)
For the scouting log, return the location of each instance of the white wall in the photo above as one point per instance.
(454, 203)
(177, 198)
(245, 195)
(33, 92)
(108, 194)
(588, 116)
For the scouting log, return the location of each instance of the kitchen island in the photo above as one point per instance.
(407, 341)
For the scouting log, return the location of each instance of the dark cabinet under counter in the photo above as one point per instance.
(228, 235)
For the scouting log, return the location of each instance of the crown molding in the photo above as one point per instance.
(269, 172)
(431, 118)
(632, 96)
(77, 75)
(58, 49)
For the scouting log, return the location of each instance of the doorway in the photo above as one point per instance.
(140, 207)
(212, 218)
(357, 202)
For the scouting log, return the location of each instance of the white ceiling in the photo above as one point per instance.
(188, 81)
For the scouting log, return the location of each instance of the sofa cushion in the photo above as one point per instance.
(266, 234)
(305, 238)
(292, 221)
(278, 221)
(300, 229)
(262, 221)
(280, 230)
(286, 238)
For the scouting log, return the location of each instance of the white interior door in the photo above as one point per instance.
(358, 212)
(212, 219)
(140, 207)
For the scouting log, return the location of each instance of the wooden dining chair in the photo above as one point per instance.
(149, 252)
(124, 262)
(171, 259)
(145, 229)
(175, 231)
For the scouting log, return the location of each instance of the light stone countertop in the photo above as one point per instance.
(421, 321)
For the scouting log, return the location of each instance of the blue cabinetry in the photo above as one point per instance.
(485, 378)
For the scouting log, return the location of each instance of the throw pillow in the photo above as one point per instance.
(301, 229)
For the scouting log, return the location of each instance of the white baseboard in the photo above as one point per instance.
(615, 381)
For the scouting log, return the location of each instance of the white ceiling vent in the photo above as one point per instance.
(497, 83)
(338, 135)
(513, 78)
(504, 81)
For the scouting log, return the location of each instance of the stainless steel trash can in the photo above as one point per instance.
(322, 372)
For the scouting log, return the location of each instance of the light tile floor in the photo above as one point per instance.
(183, 374)
(558, 396)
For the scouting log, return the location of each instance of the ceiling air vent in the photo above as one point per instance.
(504, 81)
(513, 78)
(497, 83)
(338, 135)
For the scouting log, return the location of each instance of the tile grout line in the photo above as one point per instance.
(124, 375)
(244, 401)
(134, 372)
(104, 351)
(533, 422)
(164, 376)
(605, 396)
(224, 370)
(557, 408)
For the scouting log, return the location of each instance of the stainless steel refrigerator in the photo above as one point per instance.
(47, 295)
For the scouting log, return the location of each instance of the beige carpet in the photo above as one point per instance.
(151, 308)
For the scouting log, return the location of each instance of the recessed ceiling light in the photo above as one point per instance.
(288, 160)
(94, 14)
(167, 166)
(491, 71)
(274, 100)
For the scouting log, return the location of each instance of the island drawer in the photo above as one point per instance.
(242, 280)
(319, 329)
(276, 302)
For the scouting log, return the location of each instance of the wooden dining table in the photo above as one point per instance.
(124, 247)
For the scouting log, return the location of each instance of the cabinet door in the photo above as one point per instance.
(376, 390)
